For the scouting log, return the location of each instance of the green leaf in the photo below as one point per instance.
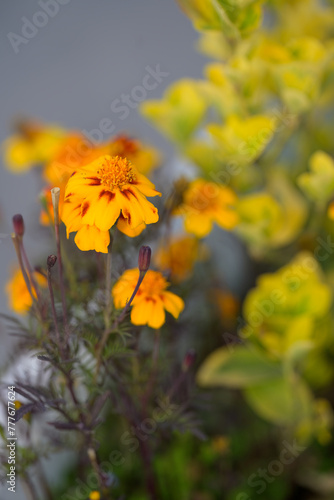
(242, 367)
(283, 401)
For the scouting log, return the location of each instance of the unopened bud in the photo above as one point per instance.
(144, 259)
(51, 260)
(188, 360)
(18, 224)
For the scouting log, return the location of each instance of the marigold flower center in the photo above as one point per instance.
(116, 172)
(153, 284)
(202, 198)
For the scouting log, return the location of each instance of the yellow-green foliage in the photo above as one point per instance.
(260, 121)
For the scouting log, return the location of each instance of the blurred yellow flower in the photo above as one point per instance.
(31, 145)
(151, 300)
(221, 444)
(179, 257)
(228, 305)
(205, 203)
(94, 495)
(97, 194)
(19, 298)
(73, 152)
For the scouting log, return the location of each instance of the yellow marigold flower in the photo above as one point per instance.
(19, 298)
(151, 300)
(205, 203)
(94, 495)
(179, 257)
(32, 144)
(99, 193)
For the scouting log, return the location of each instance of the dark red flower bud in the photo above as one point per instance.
(18, 224)
(51, 260)
(144, 259)
(188, 360)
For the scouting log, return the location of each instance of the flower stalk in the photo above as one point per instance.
(55, 193)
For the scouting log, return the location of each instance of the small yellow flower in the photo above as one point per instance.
(94, 495)
(99, 193)
(32, 144)
(179, 257)
(205, 203)
(19, 297)
(151, 300)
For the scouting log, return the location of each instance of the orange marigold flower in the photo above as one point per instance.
(205, 203)
(151, 300)
(19, 298)
(99, 193)
(76, 151)
(179, 257)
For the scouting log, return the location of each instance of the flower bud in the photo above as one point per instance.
(188, 360)
(144, 259)
(51, 260)
(18, 224)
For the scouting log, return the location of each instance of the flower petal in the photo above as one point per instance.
(91, 238)
(198, 224)
(149, 311)
(101, 210)
(172, 303)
